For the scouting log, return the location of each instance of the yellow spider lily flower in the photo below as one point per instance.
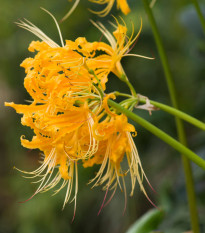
(61, 113)
(115, 144)
(115, 141)
(67, 109)
(121, 4)
(120, 46)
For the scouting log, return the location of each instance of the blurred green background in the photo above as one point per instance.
(185, 45)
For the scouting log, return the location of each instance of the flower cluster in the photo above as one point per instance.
(69, 114)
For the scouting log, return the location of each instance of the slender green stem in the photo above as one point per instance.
(93, 73)
(125, 80)
(176, 113)
(117, 93)
(165, 108)
(199, 12)
(180, 127)
(159, 133)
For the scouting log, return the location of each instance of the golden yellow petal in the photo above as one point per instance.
(124, 7)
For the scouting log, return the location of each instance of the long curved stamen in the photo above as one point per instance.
(138, 55)
(106, 10)
(36, 31)
(71, 10)
(58, 28)
(105, 32)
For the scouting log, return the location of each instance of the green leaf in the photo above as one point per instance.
(148, 222)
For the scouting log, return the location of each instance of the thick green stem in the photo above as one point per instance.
(164, 107)
(159, 133)
(177, 113)
(199, 12)
(180, 127)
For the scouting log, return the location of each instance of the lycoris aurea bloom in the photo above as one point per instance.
(121, 4)
(69, 113)
(61, 113)
(115, 141)
(120, 46)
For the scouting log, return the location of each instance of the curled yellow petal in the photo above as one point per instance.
(105, 105)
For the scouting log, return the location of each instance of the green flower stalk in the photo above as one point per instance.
(199, 12)
(179, 123)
